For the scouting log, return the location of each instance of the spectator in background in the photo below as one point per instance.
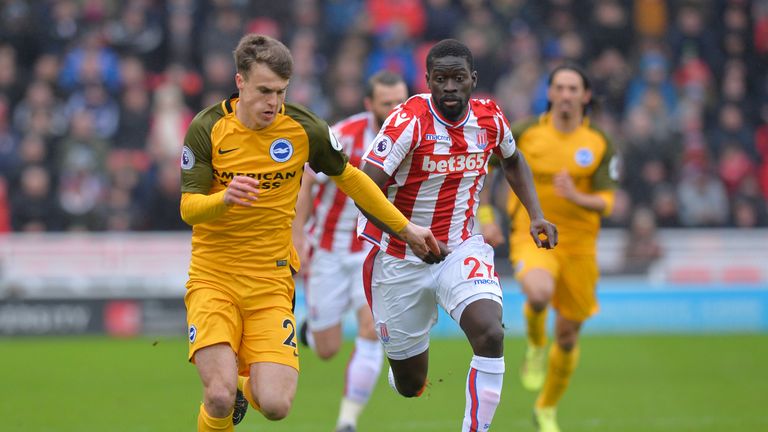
(90, 62)
(32, 150)
(94, 99)
(62, 25)
(11, 84)
(652, 155)
(642, 247)
(392, 51)
(442, 16)
(653, 77)
(170, 119)
(692, 36)
(734, 167)
(305, 85)
(163, 200)
(82, 160)
(135, 116)
(732, 129)
(34, 208)
(223, 29)
(46, 69)
(406, 14)
(180, 36)
(747, 213)
(611, 76)
(7, 140)
(39, 97)
(702, 196)
(608, 27)
(666, 206)
(137, 31)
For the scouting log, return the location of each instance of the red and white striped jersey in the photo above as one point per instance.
(437, 167)
(335, 215)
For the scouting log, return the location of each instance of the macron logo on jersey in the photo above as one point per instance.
(400, 119)
(444, 164)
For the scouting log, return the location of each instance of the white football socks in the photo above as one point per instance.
(483, 392)
(362, 373)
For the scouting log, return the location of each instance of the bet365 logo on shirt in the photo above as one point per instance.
(444, 164)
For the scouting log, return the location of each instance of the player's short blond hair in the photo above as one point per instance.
(257, 48)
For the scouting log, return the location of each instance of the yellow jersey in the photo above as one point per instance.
(253, 241)
(587, 155)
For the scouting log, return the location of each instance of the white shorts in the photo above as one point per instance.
(334, 286)
(405, 294)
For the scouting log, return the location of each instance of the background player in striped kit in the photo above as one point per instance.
(334, 283)
(431, 157)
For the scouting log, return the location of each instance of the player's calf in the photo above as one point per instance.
(406, 387)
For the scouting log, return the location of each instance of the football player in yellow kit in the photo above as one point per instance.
(241, 165)
(574, 170)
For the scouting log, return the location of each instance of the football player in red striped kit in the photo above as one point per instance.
(430, 158)
(333, 283)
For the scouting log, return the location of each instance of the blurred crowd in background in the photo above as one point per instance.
(96, 95)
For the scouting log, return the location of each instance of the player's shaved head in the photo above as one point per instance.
(256, 48)
(449, 48)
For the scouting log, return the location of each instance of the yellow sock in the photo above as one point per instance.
(243, 384)
(561, 367)
(536, 325)
(206, 423)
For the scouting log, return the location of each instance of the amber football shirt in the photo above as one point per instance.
(257, 240)
(588, 156)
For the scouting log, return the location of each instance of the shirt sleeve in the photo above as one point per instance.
(325, 152)
(398, 136)
(507, 145)
(196, 160)
(606, 175)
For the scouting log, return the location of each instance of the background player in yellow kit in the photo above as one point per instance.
(241, 166)
(574, 171)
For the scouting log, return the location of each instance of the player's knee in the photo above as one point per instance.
(538, 301)
(326, 351)
(219, 400)
(276, 409)
(567, 341)
(489, 341)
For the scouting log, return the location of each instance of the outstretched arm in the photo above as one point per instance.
(519, 177)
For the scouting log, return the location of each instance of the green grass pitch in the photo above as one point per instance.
(624, 384)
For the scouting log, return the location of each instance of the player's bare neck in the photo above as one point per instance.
(245, 118)
(566, 123)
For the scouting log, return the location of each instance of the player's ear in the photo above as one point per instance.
(239, 81)
(474, 79)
